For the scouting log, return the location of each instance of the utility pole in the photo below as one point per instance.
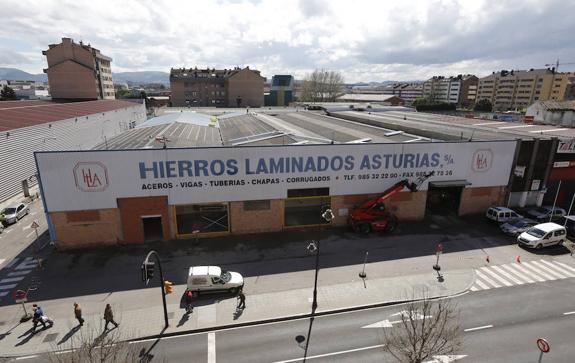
(148, 273)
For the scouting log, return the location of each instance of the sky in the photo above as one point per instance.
(364, 40)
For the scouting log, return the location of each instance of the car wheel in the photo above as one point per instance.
(539, 246)
(391, 225)
(365, 228)
(233, 290)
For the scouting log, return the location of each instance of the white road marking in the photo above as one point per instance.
(527, 272)
(479, 328)
(4, 293)
(496, 277)
(13, 262)
(30, 234)
(554, 267)
(26, 357)
(569, 313)
(33, 213)
(517, 273)
(487, 279)
(473, 288)
(11, 279)
(331, 354)
(7, 231)
(7, 287)
(565, 266)
(25, 228)
(482, 285)
(19, 273)
(27, 264)
(515, 127)
(507, 275)
(489, 123)
(538, 271)
(212, 347)
(548, 270)
(2, 260)
(552, 130)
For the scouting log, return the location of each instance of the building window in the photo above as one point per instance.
(203, 218)
(305, 206)
(256, 205)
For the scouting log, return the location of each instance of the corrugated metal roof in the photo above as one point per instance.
(558, 105)
(193, 118)
(18, 114)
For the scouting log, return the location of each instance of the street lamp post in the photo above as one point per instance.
(314, 247)
(147, 270)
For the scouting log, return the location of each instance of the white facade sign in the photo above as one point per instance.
(95, 179)
(535, 184)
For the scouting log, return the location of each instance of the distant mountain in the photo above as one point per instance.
(136, 78)
(13, 74)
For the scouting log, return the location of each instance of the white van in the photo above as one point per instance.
(203, 279)
(543, 235)
(501, 214)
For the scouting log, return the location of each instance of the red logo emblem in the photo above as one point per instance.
(482, 160)
(91, 176)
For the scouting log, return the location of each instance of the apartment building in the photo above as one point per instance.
(409, 91)
(510, 90)
(460, 90)
(236, 87)
(77, 71)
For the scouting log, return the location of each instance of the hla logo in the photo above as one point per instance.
(91, 176)
(482, 160)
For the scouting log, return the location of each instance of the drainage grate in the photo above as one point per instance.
(50, 338)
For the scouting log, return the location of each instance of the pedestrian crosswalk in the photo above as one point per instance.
(19, 270)
(513, 274)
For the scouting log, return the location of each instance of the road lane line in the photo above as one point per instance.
(548, 270)
(527, 272)
(487, 279)
(30, 234)
(26, 357)
(565, 266)
(19, 273)
(8, 287)
(538, 271)
(482, 284)
(507, 275)
(330, 354)
(569, 313)
(212, 347)
(496, 277)
(519, 276)
(554, 267)
(473, 288)
(11, 279)
(479, 328)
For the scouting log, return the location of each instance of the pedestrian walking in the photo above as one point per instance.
(241, 300)
(109, 317)
(78, 313)
(37, 317)
(188, 296)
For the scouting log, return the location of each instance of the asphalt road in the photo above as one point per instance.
(510, 320)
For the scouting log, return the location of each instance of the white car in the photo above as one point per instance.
(13, 214)
(542, 235)
(501, 214)
(207, 279)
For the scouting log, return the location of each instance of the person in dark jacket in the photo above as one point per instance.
(109, 317)
(78, 313)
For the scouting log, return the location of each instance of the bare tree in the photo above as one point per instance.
(322, 86)
(427, 328)
(94, 347)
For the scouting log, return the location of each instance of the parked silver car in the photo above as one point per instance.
(517, 226)
(543, 214)
(12, 214)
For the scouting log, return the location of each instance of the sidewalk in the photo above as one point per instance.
(212, 314)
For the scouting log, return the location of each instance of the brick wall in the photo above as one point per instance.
(85, 228)
(477, 200)
(255, 221)
(132, 210)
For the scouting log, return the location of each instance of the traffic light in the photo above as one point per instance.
(168, 287)
(147, 269)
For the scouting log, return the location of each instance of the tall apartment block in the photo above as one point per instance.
(77, 71)
(508, 90)
(238, 87)
(409, 92)
(460, 90)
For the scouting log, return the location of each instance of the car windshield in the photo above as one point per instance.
(9, 211)
(520, 224)
(536, 232)
(226, 276)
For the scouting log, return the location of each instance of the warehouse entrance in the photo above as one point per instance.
(304, 207)
(443, 198)
(152, 228)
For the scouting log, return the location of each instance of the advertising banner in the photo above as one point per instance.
(79, 180)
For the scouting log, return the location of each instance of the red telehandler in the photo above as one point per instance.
(373, 216)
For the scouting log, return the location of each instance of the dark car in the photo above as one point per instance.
(517, 226)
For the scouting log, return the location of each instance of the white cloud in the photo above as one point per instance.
(365, 40)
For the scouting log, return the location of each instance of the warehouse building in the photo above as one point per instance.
(29, 126)
(188, 174)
